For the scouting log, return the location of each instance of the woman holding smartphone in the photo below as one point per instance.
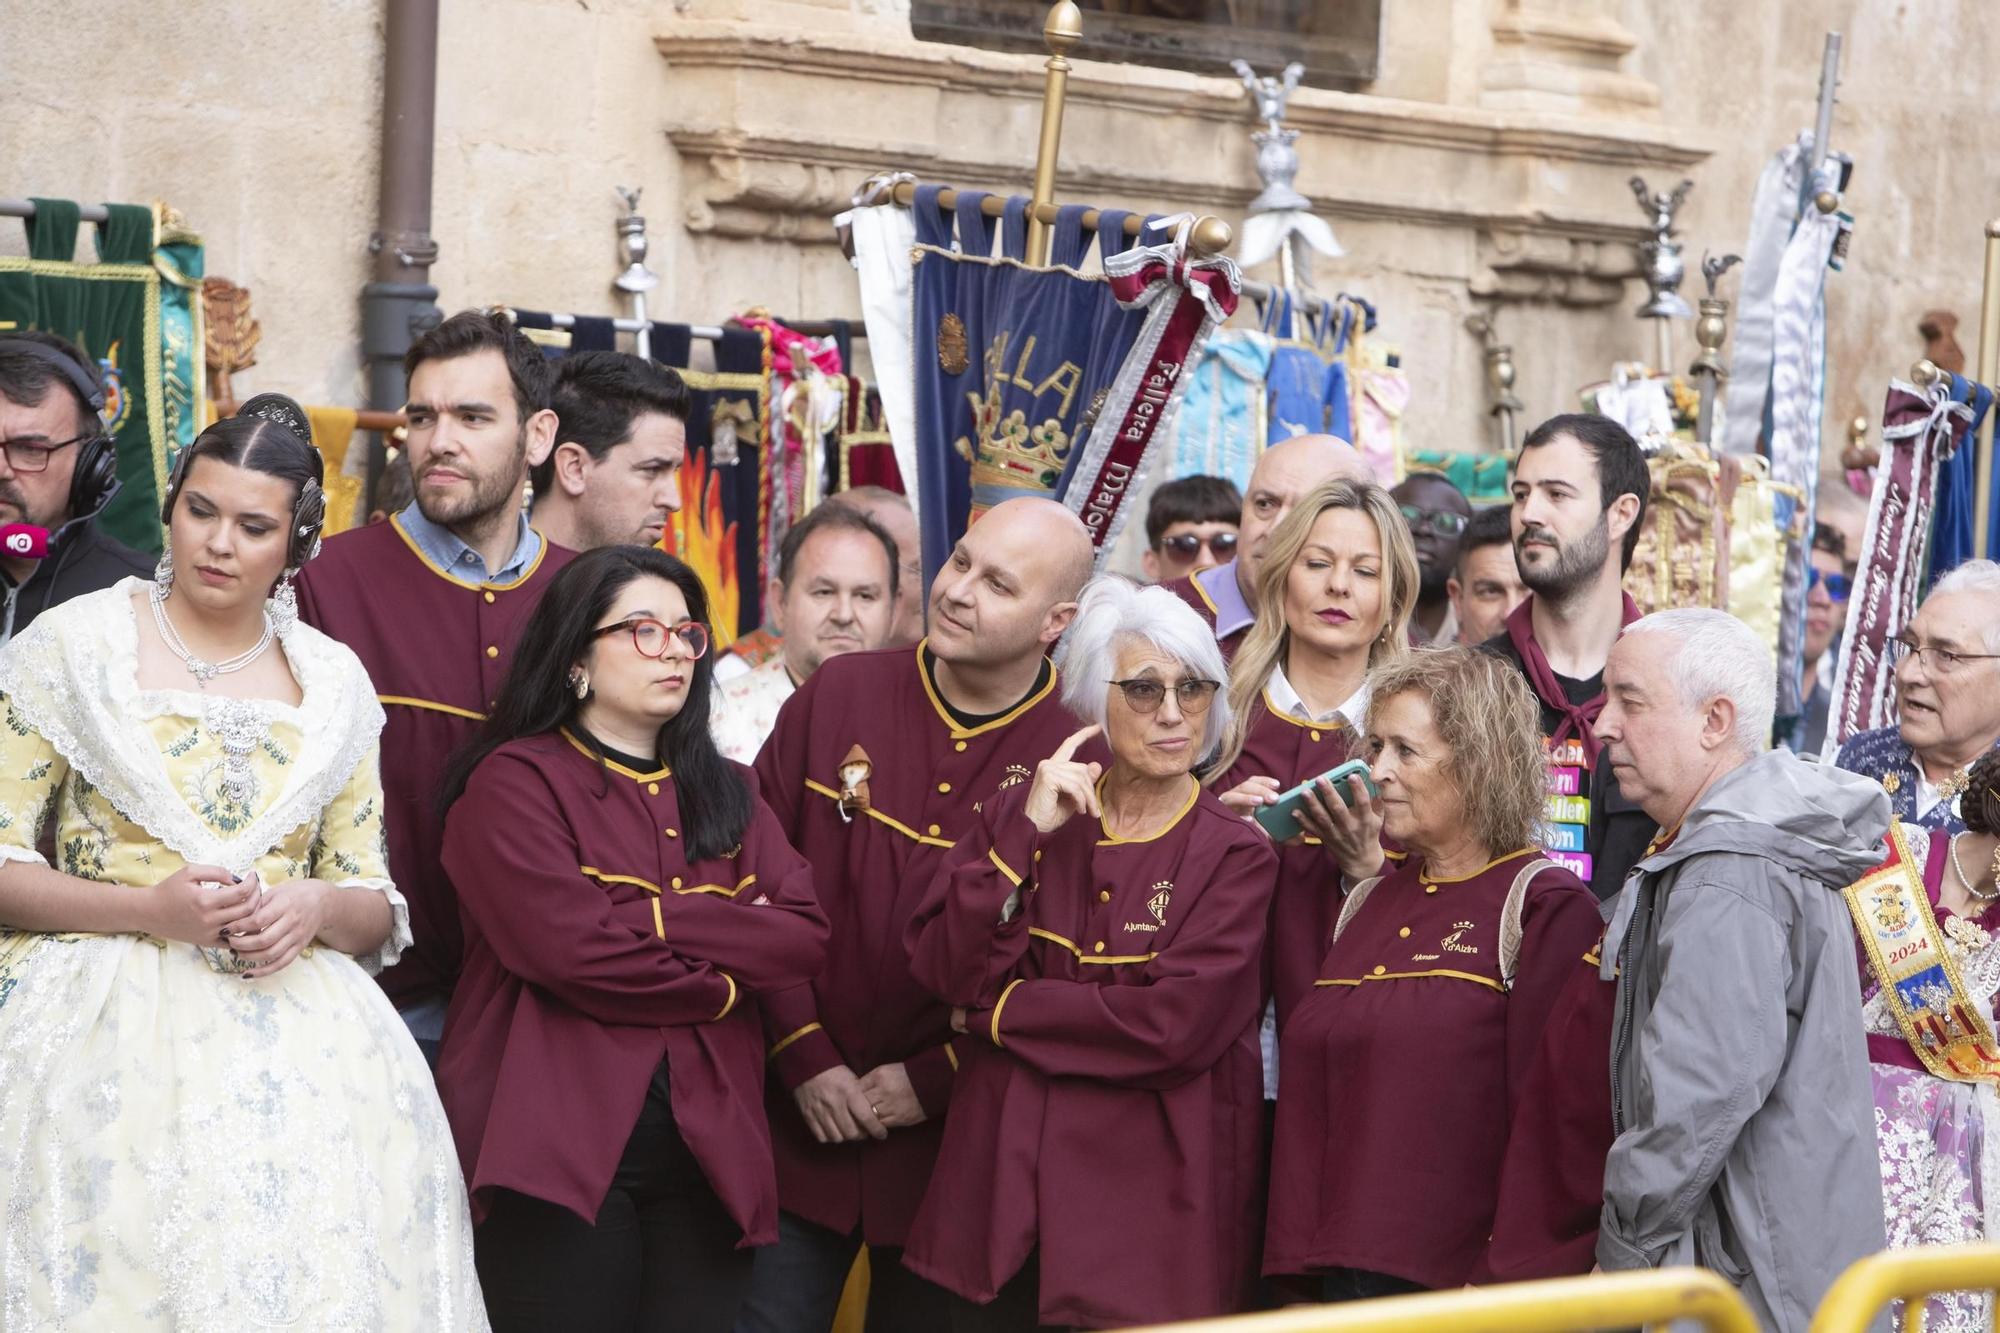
(1405, 1058)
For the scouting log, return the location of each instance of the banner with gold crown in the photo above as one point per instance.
(136, 313)
(1012, 361)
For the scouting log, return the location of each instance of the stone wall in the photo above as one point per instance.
(1485, 169)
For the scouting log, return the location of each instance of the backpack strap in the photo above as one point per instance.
(1510, 918)
(1355, 897)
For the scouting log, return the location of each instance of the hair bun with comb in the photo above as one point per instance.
(276, 407)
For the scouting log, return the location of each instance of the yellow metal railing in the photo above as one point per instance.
(1563, 1305)
(1859, 1294)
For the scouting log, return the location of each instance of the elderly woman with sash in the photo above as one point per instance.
(1927, 918)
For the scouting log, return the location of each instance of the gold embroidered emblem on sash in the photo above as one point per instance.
(1016, 775)
(1451, 944)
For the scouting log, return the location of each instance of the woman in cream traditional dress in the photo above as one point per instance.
(1940, 1177)
(210, 1116)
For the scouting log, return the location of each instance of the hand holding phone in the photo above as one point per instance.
(1280, 819)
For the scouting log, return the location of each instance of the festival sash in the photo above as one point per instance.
(1184, 300)
(1920, 980)
(1919, 428)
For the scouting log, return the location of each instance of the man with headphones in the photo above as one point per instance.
(58, 469)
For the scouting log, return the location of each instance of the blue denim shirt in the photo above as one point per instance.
(442, 548)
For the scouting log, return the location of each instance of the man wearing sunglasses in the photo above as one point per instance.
(57, 472)
(1829, 580)
(1190, 526)
(1437, 513)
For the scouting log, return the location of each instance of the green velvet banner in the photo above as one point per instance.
(136, 312)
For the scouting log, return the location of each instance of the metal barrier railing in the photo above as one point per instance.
(1858, 1295)
(1561, 1305)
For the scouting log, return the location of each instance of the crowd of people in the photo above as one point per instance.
(436, 931)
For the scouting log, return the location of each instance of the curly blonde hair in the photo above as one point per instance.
(1269, 640)
(1491, 726)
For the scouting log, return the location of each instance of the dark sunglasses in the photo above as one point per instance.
(1838, 586)
(1440, 522)
(1146, 696)
(1187, 545)
(650, 637)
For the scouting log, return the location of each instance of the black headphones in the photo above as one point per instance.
(95, 479)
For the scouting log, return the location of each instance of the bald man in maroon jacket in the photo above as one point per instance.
(877, 765)
(1225, 596)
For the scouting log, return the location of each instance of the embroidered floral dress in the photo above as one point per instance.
(182, 1148)
(1939, 1184)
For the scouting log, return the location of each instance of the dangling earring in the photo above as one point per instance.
(284, 604)
(163, 573)
(580, 682)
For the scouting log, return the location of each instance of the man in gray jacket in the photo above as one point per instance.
(1739, 1072)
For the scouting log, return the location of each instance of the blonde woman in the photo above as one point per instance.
(1338, 584)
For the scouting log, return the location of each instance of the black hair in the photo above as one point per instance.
(1491, 526)
(1621, 464)
(1980, 806)
(835, 517)
(26, 377)
(471, 331)
(268, 434)
(1833, 541)
(536, 698)
(596, 398)
(1196, 499)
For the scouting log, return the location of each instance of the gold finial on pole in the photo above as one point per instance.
(1062, 30)
(1989, 370)
(1926, 373)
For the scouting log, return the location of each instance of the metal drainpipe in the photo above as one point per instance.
(401, 303)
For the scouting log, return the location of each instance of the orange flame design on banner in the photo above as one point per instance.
(707, 542)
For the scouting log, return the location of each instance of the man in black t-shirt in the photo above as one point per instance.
(1579, 490)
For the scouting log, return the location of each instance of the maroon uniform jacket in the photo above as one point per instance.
(437, 649)
(1203, 602)
(927, 778)
(1110, 1107)
(1402, 1072)
(1307, 899)
(594, 949)
(1552, 1180)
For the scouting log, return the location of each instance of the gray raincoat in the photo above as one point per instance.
(1739, 1070)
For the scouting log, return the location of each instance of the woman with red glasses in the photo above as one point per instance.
(625, 895)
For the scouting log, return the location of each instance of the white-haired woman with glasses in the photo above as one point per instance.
(1947, 701)
(1100, 935)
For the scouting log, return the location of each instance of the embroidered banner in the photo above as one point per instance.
(1921, 984)
(1919, 429)
(1185, 299)
(136, 312)
(1010, 360)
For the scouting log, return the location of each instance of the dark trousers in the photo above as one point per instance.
(798, 1281)
(1014, 1310)
(1358, 1284)
(661, 1258)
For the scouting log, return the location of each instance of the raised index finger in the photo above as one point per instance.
(1069, 747)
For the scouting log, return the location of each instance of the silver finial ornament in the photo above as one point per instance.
(1280, 221)
(1660, 256)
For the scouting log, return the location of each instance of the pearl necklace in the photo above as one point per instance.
(1970, 886)
(205, 671)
